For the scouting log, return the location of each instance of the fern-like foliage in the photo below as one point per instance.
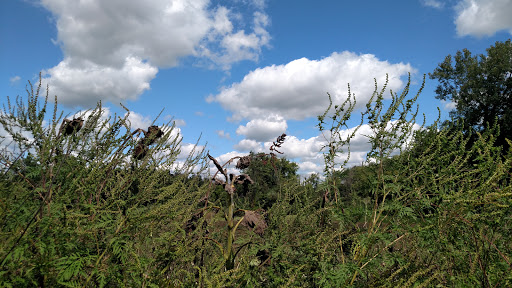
(431, 206)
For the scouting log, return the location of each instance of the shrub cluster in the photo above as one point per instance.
(85, 203)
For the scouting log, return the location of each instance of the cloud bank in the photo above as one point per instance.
(308, 153)
(297, 90)
(113, 49)
(263, 129)
(267, 97)
(483, 17)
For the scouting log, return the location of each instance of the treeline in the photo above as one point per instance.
(82, 206)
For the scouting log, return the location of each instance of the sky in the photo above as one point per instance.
(239, 73)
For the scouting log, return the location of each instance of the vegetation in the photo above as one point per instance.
(93, 202)
(480, 86)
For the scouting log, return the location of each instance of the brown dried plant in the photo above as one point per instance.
(252, 219)
(69, 127)
(277, 144)
(141, 148)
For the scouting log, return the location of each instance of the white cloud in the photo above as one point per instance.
(222, 159)
(268, 96)
(247, 145)
(105, 113)
(84, 83)
(236, 46)
(223, 134)
(433, 3)
(182, 163)
(107, 32)
(307, 168)
(138, 121)
(188, 149)
(257, 3)
(483, 17)
(10, 148)
(297, 90)
(309, 155)
(301, 148)
(113, 49)
(263, 129)
(14, 80)
(221, 22)
(449, 105)
(309, 152)
(179, 122)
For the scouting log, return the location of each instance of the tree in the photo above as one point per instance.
(268, 173)
(480, 86)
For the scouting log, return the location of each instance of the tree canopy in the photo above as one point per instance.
(480, 86)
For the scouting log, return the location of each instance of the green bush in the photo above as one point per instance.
(85, 207)
(77, 209)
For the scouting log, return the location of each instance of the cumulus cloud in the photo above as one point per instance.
(301, 148)
(84, 83)
(307, 168)
(189, 149)
(184, 161)
(263, 129)
(227, 156)
(483, 17)
(297, 90)
(309, 153)
(137, 121)
(237, 46)
(223, 134)
(222, 159)
(267, 97)
(10, 148)
(449, 105)
(113, 49)
(247, 145)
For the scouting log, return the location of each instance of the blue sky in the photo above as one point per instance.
(238, 72)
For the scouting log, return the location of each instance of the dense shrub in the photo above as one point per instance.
(431, 207)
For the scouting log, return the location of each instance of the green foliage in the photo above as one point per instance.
(431, 206)
(424, 210)
(75, 208)
(269, 174)
(467, 203)
(480, 86)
